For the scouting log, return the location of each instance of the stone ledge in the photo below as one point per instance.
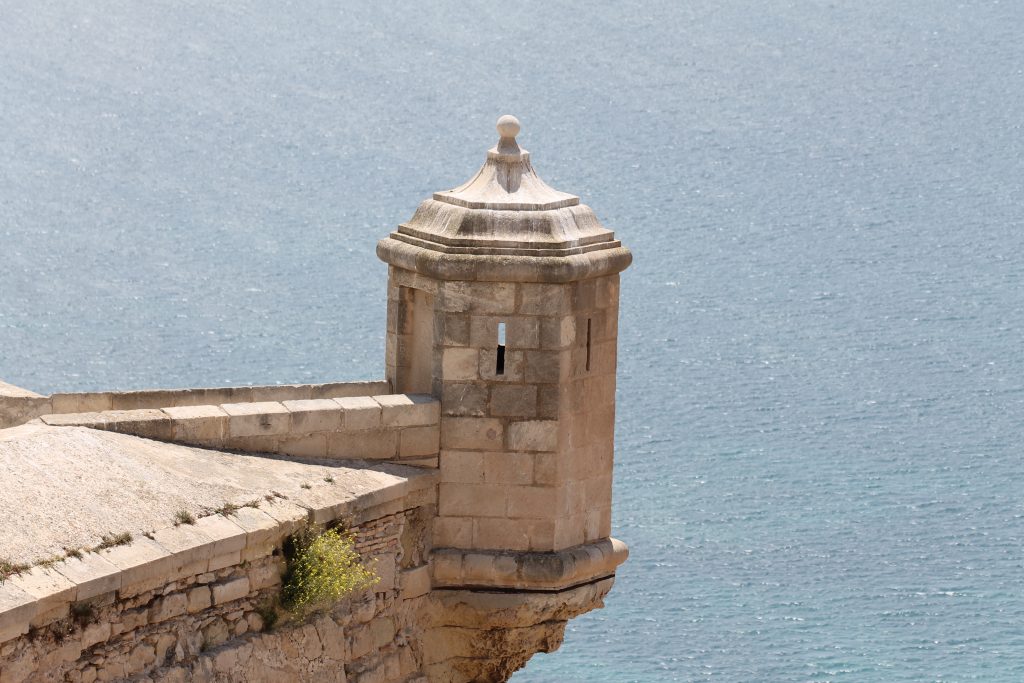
(166, 398)
(18, 405)
(44, 594)
(495, 268)
(485, 636)
(526, 571)
(392, 427)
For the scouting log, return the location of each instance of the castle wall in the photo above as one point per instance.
(18, 405)
(501, 332)
(199, 612)
(403, 428)
(527, 419)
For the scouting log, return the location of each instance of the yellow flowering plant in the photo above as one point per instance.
(323, 567)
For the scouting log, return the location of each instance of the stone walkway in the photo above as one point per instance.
(66, 487)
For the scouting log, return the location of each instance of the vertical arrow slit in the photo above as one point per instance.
(500, 365)
(588, 344)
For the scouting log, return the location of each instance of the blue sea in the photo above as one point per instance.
(819, 465)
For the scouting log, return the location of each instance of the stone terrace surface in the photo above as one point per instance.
(64, 487)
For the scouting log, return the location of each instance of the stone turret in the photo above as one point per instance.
(485, 509)
(503, 303)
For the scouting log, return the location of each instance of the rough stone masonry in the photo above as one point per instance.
(476, 477)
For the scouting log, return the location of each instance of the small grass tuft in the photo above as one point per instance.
(184, 517)
(73, 552)
(254, 503)
(9, 569)
(305, 486)
(114, 540)
(228, 509)
(329, 479)
(49, 561)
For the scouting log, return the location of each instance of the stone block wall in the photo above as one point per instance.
(18, 405)
(192, 602)
(526, 441)
(402, 428)
(501, 348)
(587, 411)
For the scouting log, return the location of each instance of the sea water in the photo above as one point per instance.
(819, 467)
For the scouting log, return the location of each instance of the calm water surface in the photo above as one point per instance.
(822, 381)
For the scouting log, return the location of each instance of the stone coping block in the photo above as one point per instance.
(11, 391)
(44, 594)
(361, 412)
(164, 398)
(269, 426)
(91, 574)
(314, 415)
(17, 608)
(409, 410)
(93, 420)
(141, 562)
(146, 422)
(553, 571)
(50, 588)
(198, 424)
(323, 508)
(18, 405)
(257, 419)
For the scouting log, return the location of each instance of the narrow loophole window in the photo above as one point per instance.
(588, 344)
(499, 368)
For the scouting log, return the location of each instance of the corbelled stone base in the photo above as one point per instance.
(485, 637)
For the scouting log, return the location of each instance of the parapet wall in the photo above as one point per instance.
(401, 428)
(18, 405)
(190, 602)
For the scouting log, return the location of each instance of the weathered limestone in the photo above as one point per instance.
(476, 635)
(65, 487)
(527, 571)
(521, 339)
(503, 303)
(209, 624)
(151, 559)
(394, 427)
(18, 405)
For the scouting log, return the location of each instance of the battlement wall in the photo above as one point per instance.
(501, 337)
(18, 405)
(402, 428)
(191, 602)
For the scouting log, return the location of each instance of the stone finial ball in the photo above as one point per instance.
(508, 126)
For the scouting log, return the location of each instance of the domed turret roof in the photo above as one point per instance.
(503, 215)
